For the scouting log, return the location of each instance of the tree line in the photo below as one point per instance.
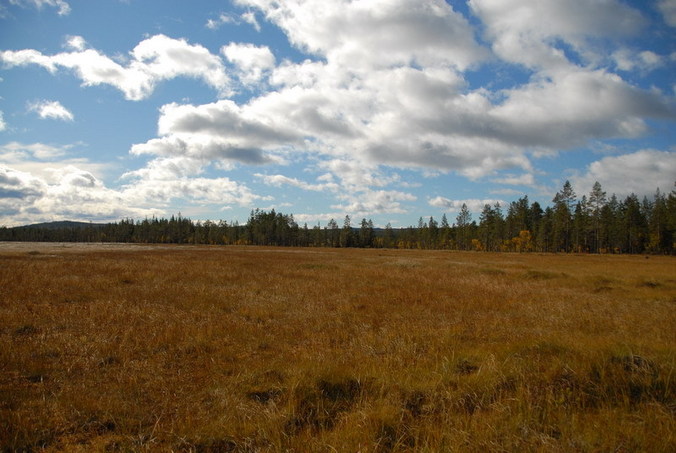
(594, 223)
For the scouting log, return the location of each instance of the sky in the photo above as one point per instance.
(389, 110)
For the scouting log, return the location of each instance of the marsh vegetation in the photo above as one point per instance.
(196, 348)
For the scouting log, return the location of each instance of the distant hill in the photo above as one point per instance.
(62, 224)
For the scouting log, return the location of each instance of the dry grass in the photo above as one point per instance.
(254, 349)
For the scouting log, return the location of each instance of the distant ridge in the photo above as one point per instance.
(62, 224)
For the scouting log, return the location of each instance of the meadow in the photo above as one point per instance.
(216, 349)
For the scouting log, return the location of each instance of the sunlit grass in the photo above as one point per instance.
(256, 349)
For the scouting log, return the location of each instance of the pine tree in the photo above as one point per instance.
(581, 226)
(597, 200)
(564, 202)
(634, 225)
(463, 223)
(366, 233)
(444, 233)
(346, 233)
(388, 237)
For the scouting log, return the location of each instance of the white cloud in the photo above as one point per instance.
(526, 179)
(214, 24)
(377, 33)
(34, 191)
(353, 184)
(25, 57)
(650, 58)
(63, 7)
(644, 61)
(411, 107)
(40, 160)
(395, 103)
(369, 202)
(167, 169)
(313, 219)
(358, 176)
(51, 110)
(668, 10)
(250, 18)
(573, 107)
(216, 131)
(640, 172)
(281, 180)
(15, 152)
(76, 43)
(389, 89)
(530, 33)
(3, 125)
(72, 193)
(16, 186)
(152, 60)
(474, 205)
(204, 191)
(252, 61)
(165, 179)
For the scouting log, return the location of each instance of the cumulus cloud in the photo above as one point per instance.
(526, 179)
(222, 192)
(573, 107)
(76, 43)
(252, 61)
(474, 205)
(376, 34)
(39, 159)
(395, 99)
(358, 176)
(70, 193)
(15, 152)
(411, 107)
(281, 180)
(668, 10)
(214, 24)
(16, 186)
(51, 110)
(169, 178)
(153, 60)
(369, 202)
(54, 191)
(530, 33)
(41, 182)
(216, 131)
(640, 172)
(250, 18)
(62, 6)
(644, 61)
(365, 108)
(388, 88)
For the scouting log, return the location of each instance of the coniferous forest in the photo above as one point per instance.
(591, 223)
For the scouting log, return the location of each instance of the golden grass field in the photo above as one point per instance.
(209, 349)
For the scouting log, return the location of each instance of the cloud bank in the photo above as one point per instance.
(388, 86)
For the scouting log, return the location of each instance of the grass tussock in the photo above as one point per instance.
(209, 349)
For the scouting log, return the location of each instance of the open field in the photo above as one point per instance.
(167, 348)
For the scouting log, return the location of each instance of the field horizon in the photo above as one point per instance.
(130, 347)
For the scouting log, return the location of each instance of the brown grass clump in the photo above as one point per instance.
(213, 349)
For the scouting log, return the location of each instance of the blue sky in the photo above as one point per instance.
(384, 109)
